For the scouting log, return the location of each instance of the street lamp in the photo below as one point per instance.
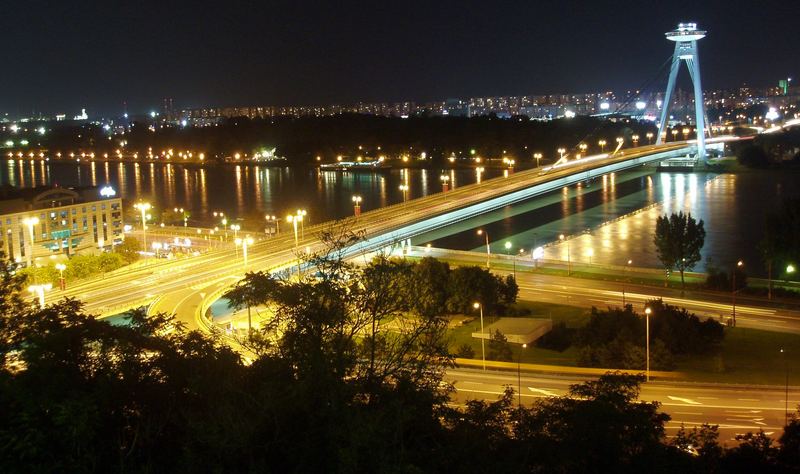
(184, 214)
(61, 284)
(488, 249)
(357, 205)
(445, 181)
(583, 147)
(508, 252)
(235, 228)
(404, 189)
(537, 157)
(301, 214)
(733, 290)
(635, 139)
(245, 242)
(624, 276)
(620, 141)
(674, 134)
(519, 377)
(39, 290)
(562, 238)
(602, 144)
(479, 306)
(647, 312)
(649, 136)
(30, 222)
(561, 152)
(786, 392)
(143, 207)
(293, 220)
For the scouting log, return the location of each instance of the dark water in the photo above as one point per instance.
(732, 206)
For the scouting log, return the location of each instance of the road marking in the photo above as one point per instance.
(686, 413)
(684, 400)
(543, 392)
(748, 399)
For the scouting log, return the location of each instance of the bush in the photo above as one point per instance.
(499, 348)
(465, 351)
(558, 339)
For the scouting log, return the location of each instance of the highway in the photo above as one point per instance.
(123, 290)
(736, 409)
(751, 312)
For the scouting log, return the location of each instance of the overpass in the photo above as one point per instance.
(186, 287)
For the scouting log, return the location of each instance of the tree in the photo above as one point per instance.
(499, 348)
(129, 249)
(256, 288)
(678, 241)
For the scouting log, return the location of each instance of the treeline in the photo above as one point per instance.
(771, 149)
(343, 377)
(302, 139)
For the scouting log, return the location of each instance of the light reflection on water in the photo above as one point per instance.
(732, 206)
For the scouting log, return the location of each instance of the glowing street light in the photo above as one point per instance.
(519, 377)
(479, 306)
(488, 249)
(38, 290)
(445, 182)
(620, 141)
(635, 139)
(627, 266)
(562, 238)
(245, 242)
(293, 220)
(61, 283)
(561, 152)
(404, 189)
(184, 214)
(357, 205)
(30, 222)
(537, 156)
(649, 136)
(739, 264)
(674, 134)
(143, 207)
(301, 216)
(647, 312)
(602, 144)
(583, 148)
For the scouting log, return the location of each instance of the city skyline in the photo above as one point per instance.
(285, 54)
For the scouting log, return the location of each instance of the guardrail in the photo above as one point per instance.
(559, 369)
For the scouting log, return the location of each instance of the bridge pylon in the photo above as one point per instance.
(685, 38)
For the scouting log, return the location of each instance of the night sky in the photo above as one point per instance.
(62, 55)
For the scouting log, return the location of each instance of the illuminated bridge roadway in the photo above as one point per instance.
(186, 287)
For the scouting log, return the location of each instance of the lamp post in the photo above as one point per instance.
(786, 389)
(674, 134)
(143, 207)
(649, 136)
(61, 283)
(357, 205)
(184, 215)
(561, 152)
(293, 220)
(225, 227)
(647, 312)
(508, 252)
(562, 238)
(30, 222)
(479, 306)
(635, 139)
(537, 156)
(445, 182)
(488, 249)
(404, 189)
(583, 148)
(602, 144)
(38, 290)
(245, 242)
(624, 276)
(301, 215)
(620, 141)
(519, 377)
(733, 290)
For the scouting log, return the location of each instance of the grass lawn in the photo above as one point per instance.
(572, 316)
(748, 356)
